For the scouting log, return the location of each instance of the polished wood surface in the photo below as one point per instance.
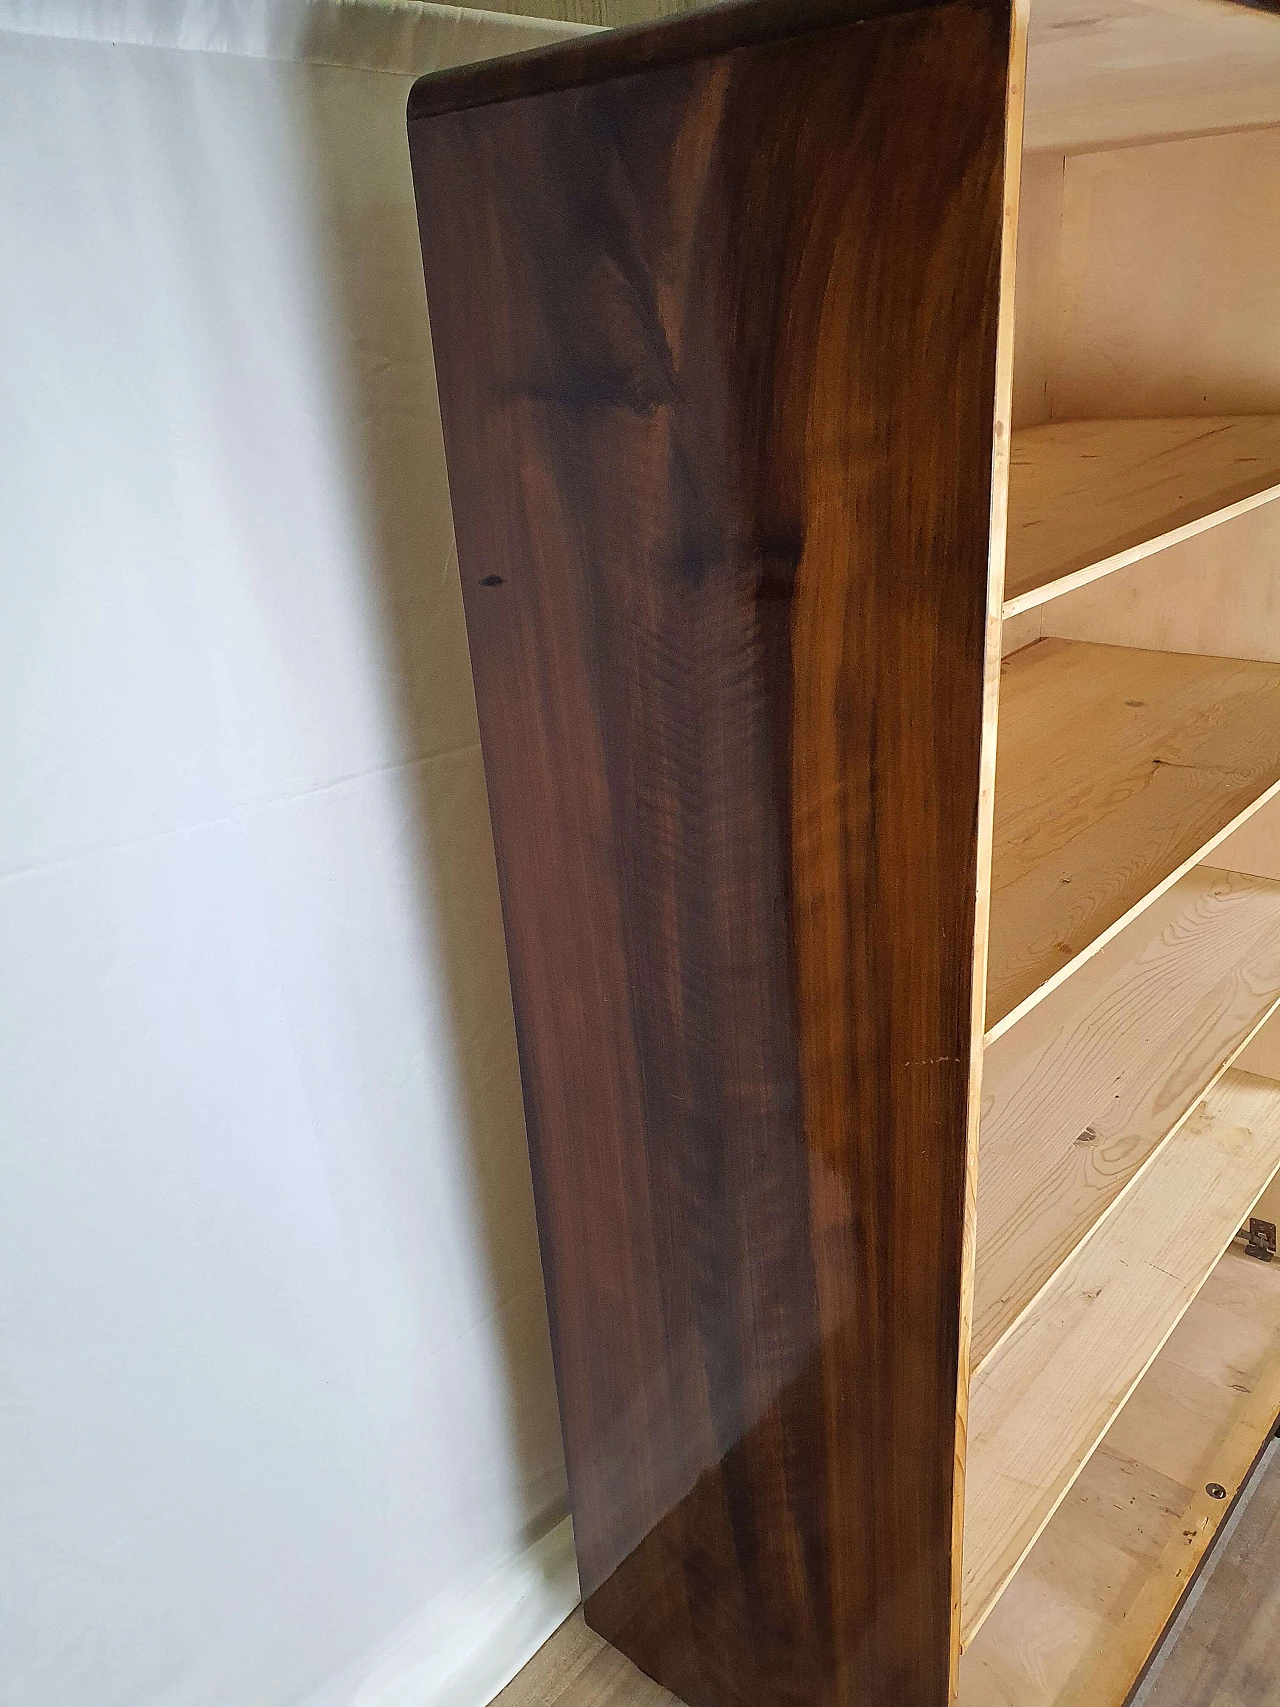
(715, 318)
(1078, 1622)
(702, 32)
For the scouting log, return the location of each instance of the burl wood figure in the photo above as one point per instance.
(716, 308)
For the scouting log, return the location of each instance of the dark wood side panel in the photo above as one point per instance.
(707, 30)
(716, 345)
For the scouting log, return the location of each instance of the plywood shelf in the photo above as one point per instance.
(1090, 497)
(1117, 771)
(1108, 73)
(1077, 1099)
(1078, 1621)
(1045, 1397)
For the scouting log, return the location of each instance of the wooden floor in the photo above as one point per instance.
(1225, 1648)
(1224, 1651)
(576, 1668)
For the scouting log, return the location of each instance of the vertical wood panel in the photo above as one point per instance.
(1170, 285)
(716, 344)
(1039, 272)
(1217, 594)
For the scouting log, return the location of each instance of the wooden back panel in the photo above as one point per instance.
(715, 314)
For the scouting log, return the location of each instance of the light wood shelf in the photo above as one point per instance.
(1078, 1097)
(1117, 770)
(1090, 497)
(1107, 73)
(1076, 1624)
(1045, 1397)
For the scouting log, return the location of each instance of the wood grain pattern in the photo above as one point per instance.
(701, 32)
(1217, 593)
(1043, 1400)
(1077, 1098)
(577, 1668)
(1195, 334)
(1255, 847)
(1102, 331)
(1089, 497)
(1262, 1056)
(1118, 770)
(1077, 1623)
(1002, 434)
(715, 315)
(1227, 1652)
(1122, 70)
(1039, 266)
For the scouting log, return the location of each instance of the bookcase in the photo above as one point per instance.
(863, 428)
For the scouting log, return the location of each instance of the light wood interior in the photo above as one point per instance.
(1079, 1096)
(1089, 497)
(1131, 1077)
(1101, 75)
(1216, 593)
(1044, 1398)
(1117, 770)
(1148, 279)
(1079, 1620)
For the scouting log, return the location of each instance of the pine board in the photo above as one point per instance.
(1117, 770)
(1126, 69)
(1089, 497)
(1043, 1400)
(1079, 1095)
(1087, 1607)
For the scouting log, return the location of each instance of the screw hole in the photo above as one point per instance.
(1215, 1490)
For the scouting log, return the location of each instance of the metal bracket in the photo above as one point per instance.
(1262, 1239)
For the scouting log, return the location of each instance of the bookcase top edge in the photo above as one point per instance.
(581, 60)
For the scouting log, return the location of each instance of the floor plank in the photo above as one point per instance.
(1227, 1649)
(1102, 1580)
(577, 1668)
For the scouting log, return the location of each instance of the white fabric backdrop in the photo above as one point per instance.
(278, 1424)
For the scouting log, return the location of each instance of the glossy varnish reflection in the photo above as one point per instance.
(714, 307)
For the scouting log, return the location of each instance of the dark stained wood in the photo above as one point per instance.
(715, 28)
(716, 352)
